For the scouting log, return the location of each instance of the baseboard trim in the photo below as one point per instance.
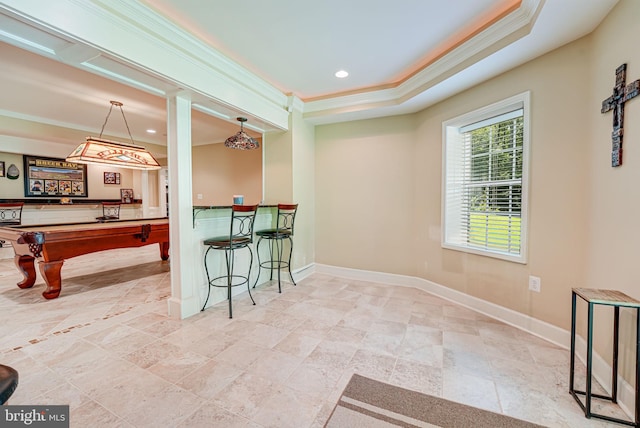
(303, 272)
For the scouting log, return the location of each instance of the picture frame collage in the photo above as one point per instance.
(111, 178)
(52, 177)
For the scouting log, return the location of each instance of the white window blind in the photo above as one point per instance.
(485, 182)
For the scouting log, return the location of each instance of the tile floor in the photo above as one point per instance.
(107, 348)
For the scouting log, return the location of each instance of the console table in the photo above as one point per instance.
(616, 299)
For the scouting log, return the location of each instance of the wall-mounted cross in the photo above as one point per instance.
(615, 102)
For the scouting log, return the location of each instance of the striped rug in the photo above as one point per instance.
(368, 403)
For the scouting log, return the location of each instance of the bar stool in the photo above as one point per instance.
(284, 230)
(110, 211)
(8, 382)
(10, 215)
(240, 236)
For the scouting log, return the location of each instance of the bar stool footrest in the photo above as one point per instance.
(274, 264)
(245, 280)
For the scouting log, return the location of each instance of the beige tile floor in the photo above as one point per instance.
(107, 348)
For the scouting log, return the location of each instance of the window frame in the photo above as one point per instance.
(451, 135)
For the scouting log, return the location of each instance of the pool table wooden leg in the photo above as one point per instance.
(164, 250)
(51, 273)
(27, 268)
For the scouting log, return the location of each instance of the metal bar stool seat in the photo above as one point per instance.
(240, 236)
(11, 213)
(284, 230)
(8, 382)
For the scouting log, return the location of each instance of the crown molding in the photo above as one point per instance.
(162, 50)
(295, 104)
(154, 26)
(512, 27)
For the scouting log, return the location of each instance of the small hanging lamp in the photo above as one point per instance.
(241, 140)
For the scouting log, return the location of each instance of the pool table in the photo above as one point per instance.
(52, 244)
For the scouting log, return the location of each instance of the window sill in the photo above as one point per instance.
(486, 253)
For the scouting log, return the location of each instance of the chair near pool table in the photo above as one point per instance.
(110, 211)
(10, 215)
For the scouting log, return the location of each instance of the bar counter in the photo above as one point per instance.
(216, 210)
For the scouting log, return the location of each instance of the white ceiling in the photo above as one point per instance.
(298, 45)
(402, 56)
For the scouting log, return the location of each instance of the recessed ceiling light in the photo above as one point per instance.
(341, 74)
(151, 131)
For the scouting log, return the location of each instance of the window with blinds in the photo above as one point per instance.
(484, 207)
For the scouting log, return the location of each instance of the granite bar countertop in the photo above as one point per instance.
(73, 201)
(217, 207)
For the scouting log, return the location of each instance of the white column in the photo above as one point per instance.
(144, 184)
(184, 300)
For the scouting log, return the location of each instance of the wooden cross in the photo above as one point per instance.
(615, 102)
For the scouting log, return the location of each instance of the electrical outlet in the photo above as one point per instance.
(199, 196)
(534, 283)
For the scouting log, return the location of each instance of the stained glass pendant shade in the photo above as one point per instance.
(241, 140)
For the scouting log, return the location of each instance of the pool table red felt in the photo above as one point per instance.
(52, 244)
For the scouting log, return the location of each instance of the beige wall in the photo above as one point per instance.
(220, 172)
(10, 189)
(613, 232)
(129, 179)
(378, 184)
(557, 192)
(278, 160)
(303, 176)
(289, 178)
(365, 194)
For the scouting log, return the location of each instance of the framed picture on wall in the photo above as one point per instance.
(126, 196)
(111, 178)
(1, 168)
(51, 177)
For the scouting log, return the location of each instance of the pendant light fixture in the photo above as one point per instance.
(241, 140)
(124, 155)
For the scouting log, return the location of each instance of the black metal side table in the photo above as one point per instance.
(616, 299)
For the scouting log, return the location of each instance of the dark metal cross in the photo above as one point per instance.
(615, 102)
